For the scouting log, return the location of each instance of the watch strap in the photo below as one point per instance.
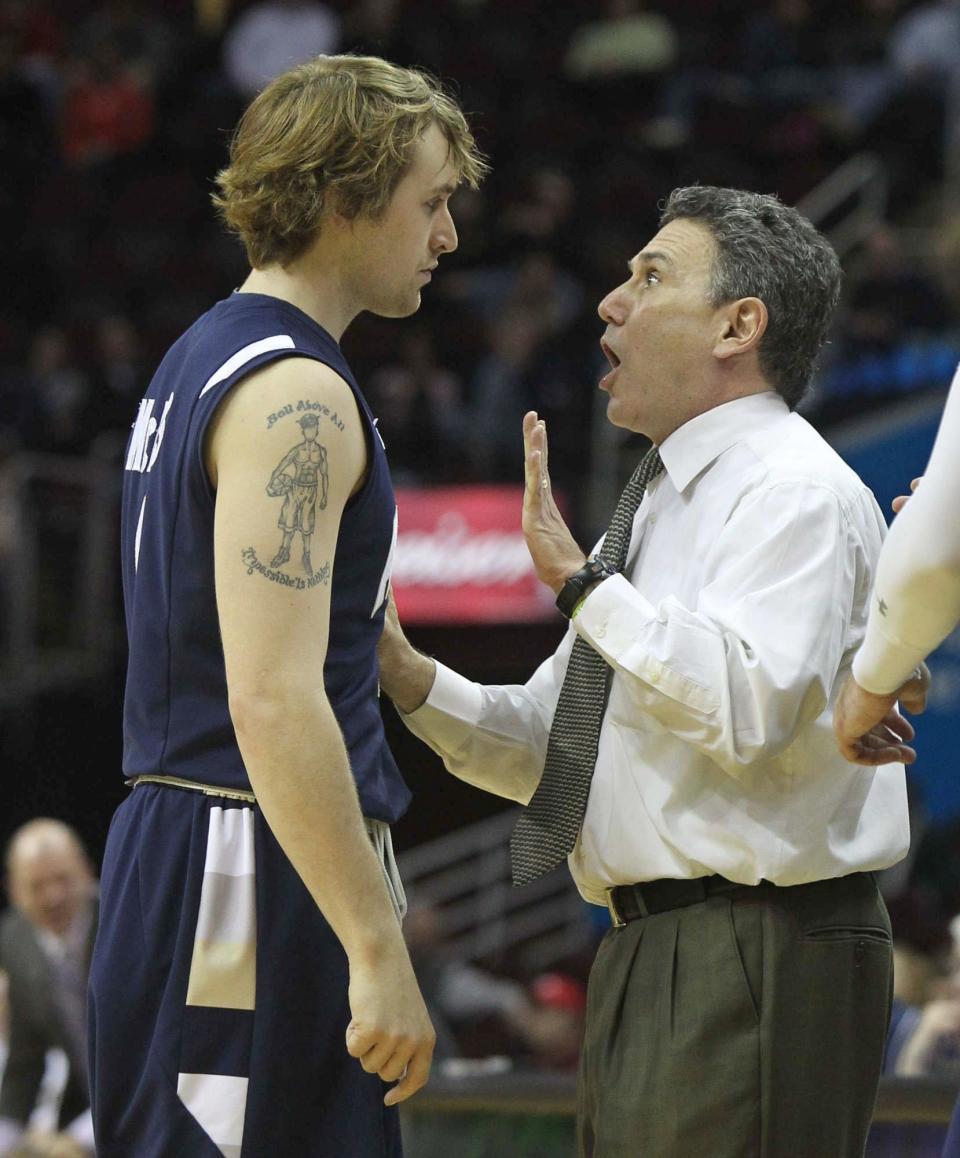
(573, 590)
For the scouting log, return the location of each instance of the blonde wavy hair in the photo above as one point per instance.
(338, 126)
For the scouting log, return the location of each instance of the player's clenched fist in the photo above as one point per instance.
(390, 1032)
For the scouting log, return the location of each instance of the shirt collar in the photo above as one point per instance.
(696, 444)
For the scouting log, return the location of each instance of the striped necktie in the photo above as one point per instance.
(547, 830)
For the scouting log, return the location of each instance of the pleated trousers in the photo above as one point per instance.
(749, 1025)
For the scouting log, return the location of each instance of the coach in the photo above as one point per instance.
(678, 746)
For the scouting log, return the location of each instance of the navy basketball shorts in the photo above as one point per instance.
(218, 997)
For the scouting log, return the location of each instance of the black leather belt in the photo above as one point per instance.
(630, 902)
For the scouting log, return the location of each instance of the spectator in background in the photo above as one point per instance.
(626, 42)
(25, 132)
(501, 390)
(892, 298)
(862, 79)
(118, 372)
(554, 1026)
(782, 54)
(45, 944)
(925, 44)
(467, 1004)
(107, 112)
(275, 35)
(420, 407)
(55, 399)
(144, 39)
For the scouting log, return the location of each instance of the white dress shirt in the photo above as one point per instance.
(916, 600)
(750, 570)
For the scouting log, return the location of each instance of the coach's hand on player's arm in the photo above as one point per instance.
(390, 1032)
(554, 551)
(406, 675)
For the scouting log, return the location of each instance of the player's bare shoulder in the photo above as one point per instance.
(285, 451)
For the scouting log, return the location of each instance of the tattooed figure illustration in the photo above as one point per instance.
(300, 478)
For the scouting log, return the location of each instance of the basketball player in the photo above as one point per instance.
(249, 948)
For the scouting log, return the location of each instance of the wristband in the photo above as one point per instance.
(575, 587)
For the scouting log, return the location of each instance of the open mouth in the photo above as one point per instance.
(610, 355)
(614, 361)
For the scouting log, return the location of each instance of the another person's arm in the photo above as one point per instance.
(275, 639)
(916, 599)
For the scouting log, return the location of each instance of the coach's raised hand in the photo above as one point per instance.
(556, 555)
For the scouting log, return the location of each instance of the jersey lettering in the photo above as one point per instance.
(142, 455)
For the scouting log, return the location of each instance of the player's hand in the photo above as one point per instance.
(555, 553)
(868, 728)
(901, 500)
(390, 1031)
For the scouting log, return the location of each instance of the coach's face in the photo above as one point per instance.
(661, 333)
(393, 256)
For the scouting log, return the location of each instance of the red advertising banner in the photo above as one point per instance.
(461, 558)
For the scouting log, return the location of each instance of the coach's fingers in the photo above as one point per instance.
(901, 500)
(535, 473)
(418, 1071)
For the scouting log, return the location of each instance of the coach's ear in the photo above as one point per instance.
(741, 326)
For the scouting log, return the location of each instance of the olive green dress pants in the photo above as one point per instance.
(749, 1025)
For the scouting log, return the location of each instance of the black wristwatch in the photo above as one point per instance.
(572, 591)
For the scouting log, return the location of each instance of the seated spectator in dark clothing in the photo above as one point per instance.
(144, 40)
(419, 404)
(892, 298)
(45, 943)
(118, 373)
(55, 399)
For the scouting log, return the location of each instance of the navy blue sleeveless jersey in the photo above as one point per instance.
(176, 718)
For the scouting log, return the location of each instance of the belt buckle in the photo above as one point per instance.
(616, 919)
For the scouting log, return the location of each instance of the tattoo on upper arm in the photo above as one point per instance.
(301, 478)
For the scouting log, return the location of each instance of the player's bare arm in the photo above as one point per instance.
(275, 544)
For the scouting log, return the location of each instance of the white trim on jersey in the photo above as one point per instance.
(136, 541)
(247, 354)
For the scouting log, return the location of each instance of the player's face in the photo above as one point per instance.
(395, 255)
(660, 331)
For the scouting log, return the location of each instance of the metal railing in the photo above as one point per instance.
(849, 204)
(466, 876)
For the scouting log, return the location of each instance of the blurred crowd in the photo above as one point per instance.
(118, 113)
